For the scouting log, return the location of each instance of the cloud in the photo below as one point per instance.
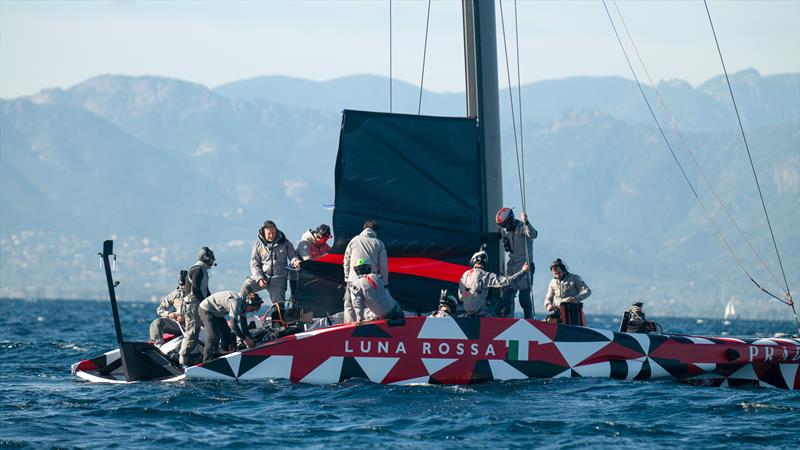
(786, 179)
(204, 148)
(294, 189)
(628, 188)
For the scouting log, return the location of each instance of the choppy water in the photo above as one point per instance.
(41, 405)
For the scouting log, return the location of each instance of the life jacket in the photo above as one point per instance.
(190, 297)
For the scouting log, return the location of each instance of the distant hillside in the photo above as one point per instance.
(763, 101)
(167, 166)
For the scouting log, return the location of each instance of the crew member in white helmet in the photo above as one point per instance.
(476, 282)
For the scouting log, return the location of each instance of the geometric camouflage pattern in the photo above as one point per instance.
(109, 365)
(476, 350)
(103, 361)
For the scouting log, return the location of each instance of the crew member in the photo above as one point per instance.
(370, 298)
(516, 235)
(447, 307)
(565, 287)
(474, 285)
(213, 311)
(196, 291)
(366, 246)
(314, 243)
(271, 255)
(169, 315)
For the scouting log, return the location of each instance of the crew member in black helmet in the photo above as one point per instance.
(169, 313)
(516, 235)
(213, 311)
(314, 243)
(197, 290)
(474, 285)
(565, 287)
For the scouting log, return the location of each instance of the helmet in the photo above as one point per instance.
(322, 231)
(205, 255)
(253, 299)
(362, 267)
(504, 216)
(450, 302)
(182, 277)
(478, 258)
(559, 263)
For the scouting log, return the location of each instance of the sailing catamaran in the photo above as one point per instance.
(433, 183)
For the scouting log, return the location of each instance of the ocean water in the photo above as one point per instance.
(43, 406)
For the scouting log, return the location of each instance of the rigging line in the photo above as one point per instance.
(669, 146)
(514, 124)
(511, 100)
(390, 55)
(747, 147)
(424, 54)
(522, 147)
(519, 110)
(689, 151)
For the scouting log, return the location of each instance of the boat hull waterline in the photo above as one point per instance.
(428, 350)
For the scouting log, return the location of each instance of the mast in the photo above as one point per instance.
(480, 57)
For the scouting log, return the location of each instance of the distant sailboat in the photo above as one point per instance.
(730, 312)
(728, 316)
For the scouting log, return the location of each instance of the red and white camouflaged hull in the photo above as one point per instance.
(473, 350)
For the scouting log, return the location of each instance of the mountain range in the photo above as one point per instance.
(166, 166)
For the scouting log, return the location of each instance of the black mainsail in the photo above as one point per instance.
(420, 178)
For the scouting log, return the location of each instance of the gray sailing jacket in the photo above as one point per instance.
(369, 294)
(517, 239)
(474, 288)
(367, 246)
(223, 303)
(228, 303)
(571, 289)
(270, 260)
(170, 303)
(308, 248)
(198, 278)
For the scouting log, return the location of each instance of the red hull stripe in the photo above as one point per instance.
(87, 366)
(420, 267)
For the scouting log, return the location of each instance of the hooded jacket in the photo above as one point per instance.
(308, 248)
(367, 246)
(270, 260)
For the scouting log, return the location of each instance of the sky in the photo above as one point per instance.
(47, 44)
